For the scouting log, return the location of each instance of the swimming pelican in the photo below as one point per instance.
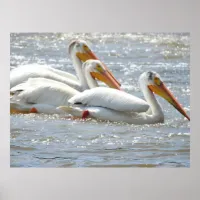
(44, 95)
(79, 52)
(118, 106)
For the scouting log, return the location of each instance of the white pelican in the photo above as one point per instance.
(79, 52)
(118, 106)
(44, 95)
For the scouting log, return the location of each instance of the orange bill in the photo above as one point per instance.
(106, 78)
(164, 92)
(16, 111)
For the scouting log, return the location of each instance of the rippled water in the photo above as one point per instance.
(49, 141)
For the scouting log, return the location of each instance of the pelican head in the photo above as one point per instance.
(153, 81)
(98, 71)
(80, 49)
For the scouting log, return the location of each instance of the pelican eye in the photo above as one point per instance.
(150, 75)
(99, 68)
(157, 81)
(85, 47)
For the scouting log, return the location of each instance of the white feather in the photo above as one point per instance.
(41, 108)
(110, 98)
(107, 114)
(24, 72)
(43, 91)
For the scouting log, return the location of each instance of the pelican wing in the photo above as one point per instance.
(63, 73)
(110, 98)
(24, 72)
(42, 91)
